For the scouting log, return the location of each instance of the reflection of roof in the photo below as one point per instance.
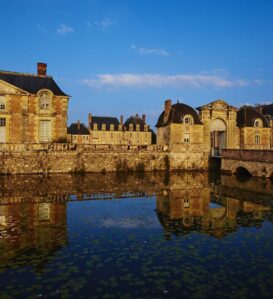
(31, 83)
(176, 115)
(99, 120)
(78, 129)
(247, 115)
(135, 120)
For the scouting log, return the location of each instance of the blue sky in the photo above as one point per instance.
(127, 56)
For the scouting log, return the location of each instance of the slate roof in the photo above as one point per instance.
(31, 83)
(135, 120)
(176, 115)
(266, 109)
(247, 115)
(99, 120)
(74, 129)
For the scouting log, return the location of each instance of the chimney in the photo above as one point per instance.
(89, 119)
(41, 69)
(78, 125)
(168, 106)
(121, 119)
(144, 118)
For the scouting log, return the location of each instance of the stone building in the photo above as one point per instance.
(179, 126)
(78, 133)
(254, 129)
(218, 125)
(109, 130)
(33, 109)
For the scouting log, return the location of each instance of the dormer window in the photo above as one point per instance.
(111, 127)
(138, 127)
(45, 101)
(2, 103)
(131, 127)
(103, 127)
(258, 123)
(188, 120)
(95, 126)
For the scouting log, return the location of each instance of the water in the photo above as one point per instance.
(186, 235)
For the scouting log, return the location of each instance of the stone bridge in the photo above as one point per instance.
(255, 162)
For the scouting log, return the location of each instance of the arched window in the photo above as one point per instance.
(258, 123)
(45, 101)
(187, 119)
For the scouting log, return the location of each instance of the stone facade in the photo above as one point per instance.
(33, 109)
(108, 130)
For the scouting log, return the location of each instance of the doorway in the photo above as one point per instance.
(218, 136)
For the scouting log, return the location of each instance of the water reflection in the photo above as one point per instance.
(47, 223)
(221, 206)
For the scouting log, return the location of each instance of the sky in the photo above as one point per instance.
(122, 57)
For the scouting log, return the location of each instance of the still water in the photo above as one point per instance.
(188, 235)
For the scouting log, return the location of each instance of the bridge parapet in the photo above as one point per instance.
(257, 162)
(248, 155)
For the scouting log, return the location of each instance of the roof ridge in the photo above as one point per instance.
(23, 74)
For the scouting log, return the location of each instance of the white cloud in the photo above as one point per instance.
(159, 80)
(147, 51)
(64, 29)
(104, 23)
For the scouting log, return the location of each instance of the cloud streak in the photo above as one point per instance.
(147, 51)
(64, 29)
(104, 23)
(160, 80)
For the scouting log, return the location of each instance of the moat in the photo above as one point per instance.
(154, 235)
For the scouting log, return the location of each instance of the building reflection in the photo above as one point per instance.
(31, 229)
(33, 209)
(193, 203)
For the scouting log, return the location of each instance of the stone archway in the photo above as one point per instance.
(218, 136)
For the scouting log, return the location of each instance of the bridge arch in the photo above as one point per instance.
(241, 169)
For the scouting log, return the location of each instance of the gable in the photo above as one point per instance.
(6, 88)
(218, 105)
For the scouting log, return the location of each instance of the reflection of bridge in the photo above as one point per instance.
(255, 162)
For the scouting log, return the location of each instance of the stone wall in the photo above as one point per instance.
(257, 162)
(64, 158)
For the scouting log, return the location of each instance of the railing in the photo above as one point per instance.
(23, 147)
(248, 155)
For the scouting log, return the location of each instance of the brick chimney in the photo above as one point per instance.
(144, 118)
(168, 105)
(121, 119)
(78, 125)
(89, 119)
(41, 69)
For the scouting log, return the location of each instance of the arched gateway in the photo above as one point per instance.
(218, 136)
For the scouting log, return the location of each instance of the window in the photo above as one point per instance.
(258, 123)
(103, 127)
(111, 127)
(95, 127)
(131, 127)
(186, 138)
(2, 122)
(138, 127)
(2, 103)
(45, 101)
(45, 130)
(188, 119)
(257, 139)
(186, 203)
